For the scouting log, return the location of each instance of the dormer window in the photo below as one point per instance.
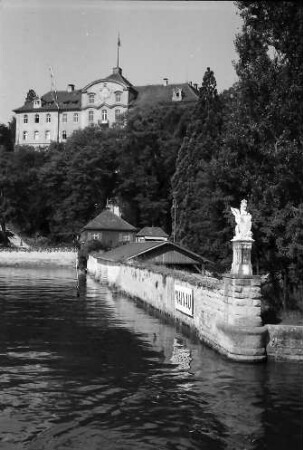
(118, 97)
(37, 118)
(177, 95)
(37, 102)
(91, 98)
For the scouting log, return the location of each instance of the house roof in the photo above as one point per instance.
(107, 220)
(115, 77)
(134, 249)
(160, 94)
(152, 232)
(66, 100)
(129, 251)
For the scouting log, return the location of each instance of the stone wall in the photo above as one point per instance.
(285, 342)
(226, 313)
(35, 258)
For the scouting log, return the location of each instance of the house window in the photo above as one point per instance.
(76, 117)
(64, 135)
(104, 115)
(36, 135)
(96, 236)
(124, 237)
(117, 114)
(25, 135)
(91, 116)
(91, 98)
(47, 135)
(48, 118)
(25, 118)
(118, 96)
(37, 118)
(64, 117)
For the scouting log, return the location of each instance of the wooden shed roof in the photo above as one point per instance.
(135, 250)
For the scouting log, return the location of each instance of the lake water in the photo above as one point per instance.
(96, 371)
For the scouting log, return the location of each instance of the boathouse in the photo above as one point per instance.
(156, 252)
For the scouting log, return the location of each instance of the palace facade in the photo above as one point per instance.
(57, 114)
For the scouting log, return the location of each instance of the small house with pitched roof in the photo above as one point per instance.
(151, 234)
(108, 228)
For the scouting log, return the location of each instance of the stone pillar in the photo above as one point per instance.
(242, 334)
(241, 265)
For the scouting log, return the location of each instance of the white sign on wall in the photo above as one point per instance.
(184, 300)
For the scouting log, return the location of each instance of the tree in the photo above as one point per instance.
(6, 137)
(147, 162)
(197, 202)
(262, 157)
(30, 96)
(78, 178)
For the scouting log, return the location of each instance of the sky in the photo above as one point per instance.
(177, 40)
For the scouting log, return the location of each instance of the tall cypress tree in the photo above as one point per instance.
(195, 212)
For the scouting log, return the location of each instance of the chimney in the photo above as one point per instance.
(196, 86)
(165, 81)
(190, 83)
(70, 88)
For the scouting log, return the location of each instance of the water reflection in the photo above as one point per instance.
(97, 371)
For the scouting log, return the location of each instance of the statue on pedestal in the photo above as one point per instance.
(243, 223)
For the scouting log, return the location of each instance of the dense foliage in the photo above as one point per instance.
(55, 192)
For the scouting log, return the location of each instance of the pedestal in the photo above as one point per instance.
(241, 266)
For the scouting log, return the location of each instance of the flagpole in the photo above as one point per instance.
(118, 46)
(55, 97)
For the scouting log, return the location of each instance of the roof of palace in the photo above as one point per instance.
(115, 77)
(66, 101)
(160, 94)
(107, 220)
(143, 95)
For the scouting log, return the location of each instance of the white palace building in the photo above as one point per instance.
(57, 114)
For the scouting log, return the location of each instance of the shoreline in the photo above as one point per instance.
(35, 257)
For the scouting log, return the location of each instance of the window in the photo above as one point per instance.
(76, 117)
(91, 98)
(48, 118)
(104, 115)
(47, 135)
(36, 135)
(118, 96)
(91, 116)
(25, 118)
(124, 237)
(64, 117)
(25, 135)
(117, 114)
(64, 135)
(37, 118)
(96, 236)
